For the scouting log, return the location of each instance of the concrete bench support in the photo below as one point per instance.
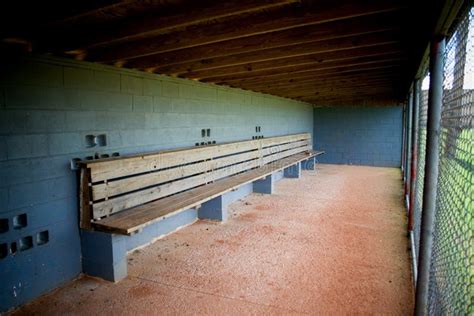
(293, 171)
(104, 255)
(309, 164)
(264, 185)
(215, 209)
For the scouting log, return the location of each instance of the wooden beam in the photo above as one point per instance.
(376, 50)
(185, 60)
(363, 101)
(324, 87)
(316, 60)
(324, 80)
(341, 92)
(22, 19)
(153, 23)
(333, 76)
(361, 61)
(243, 36)
(320, 73)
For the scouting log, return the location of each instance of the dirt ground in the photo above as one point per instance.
(332, 242)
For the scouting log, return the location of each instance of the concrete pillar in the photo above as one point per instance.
(309, 164)
(293, 171)
(215, 209)
(264, 185)
(104, 255)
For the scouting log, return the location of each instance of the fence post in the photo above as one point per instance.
(408, 146)
(414, 151)
(435, 96)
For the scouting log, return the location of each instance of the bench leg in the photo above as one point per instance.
(104, 255)
(293, 171)
(309, 164)
(264, 186)
(215, 209)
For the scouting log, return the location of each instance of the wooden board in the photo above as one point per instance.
(106, 169)
(129, 221)
(120, 203)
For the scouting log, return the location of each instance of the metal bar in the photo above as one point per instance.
(435, 99)
(414, 151)
(408, 146)
(404, 141)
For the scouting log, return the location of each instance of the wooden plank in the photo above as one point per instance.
(133, 183)
(120, 203)
(127, 222)
(151, 23)
(125, 166)
(313, 67)
(246, 38)
(185, 60)
(335, 72)
(336, 47)
(85, 211)
(315, 60)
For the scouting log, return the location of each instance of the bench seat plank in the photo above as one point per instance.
(132, 220)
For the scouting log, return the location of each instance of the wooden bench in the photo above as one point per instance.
(122, 195)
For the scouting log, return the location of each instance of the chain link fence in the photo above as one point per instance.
(451, 284)
(451, 287)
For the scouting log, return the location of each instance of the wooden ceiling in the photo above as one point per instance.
(331, 52)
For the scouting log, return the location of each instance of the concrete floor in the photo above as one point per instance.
(332, 242)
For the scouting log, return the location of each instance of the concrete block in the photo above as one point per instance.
(309, 164)
(81, 121)
(142, 104)
(65, 143)
(34, 97)
(170, 89)
(215, 209)
(3, 148)
(97, 100)
(131, 84)
(32, 73)
(12, 121)
(264, 185)
(189, 91)
(106, 81)
(151, 87)
(293, 171)
(34, 193)
(104, 255)
(162, 104)
(26, 146)
(161, 228)
(79, 78)
(45, 121)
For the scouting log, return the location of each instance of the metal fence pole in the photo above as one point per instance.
(435, 99)
(408, 146)
(404, 141)
(414, 151)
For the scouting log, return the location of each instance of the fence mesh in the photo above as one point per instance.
(451, 288)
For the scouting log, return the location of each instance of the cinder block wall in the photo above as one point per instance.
(48, 106)
(359, 135)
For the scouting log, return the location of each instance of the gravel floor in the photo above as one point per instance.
(332, 242)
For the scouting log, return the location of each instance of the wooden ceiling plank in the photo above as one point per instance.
(309, 61)
(245, 36)
(324, 81)
(152, 23)
(321, 73)
(332, 76)
(361, 61)
(185, 60)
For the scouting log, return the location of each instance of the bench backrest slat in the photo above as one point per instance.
(121, 183)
